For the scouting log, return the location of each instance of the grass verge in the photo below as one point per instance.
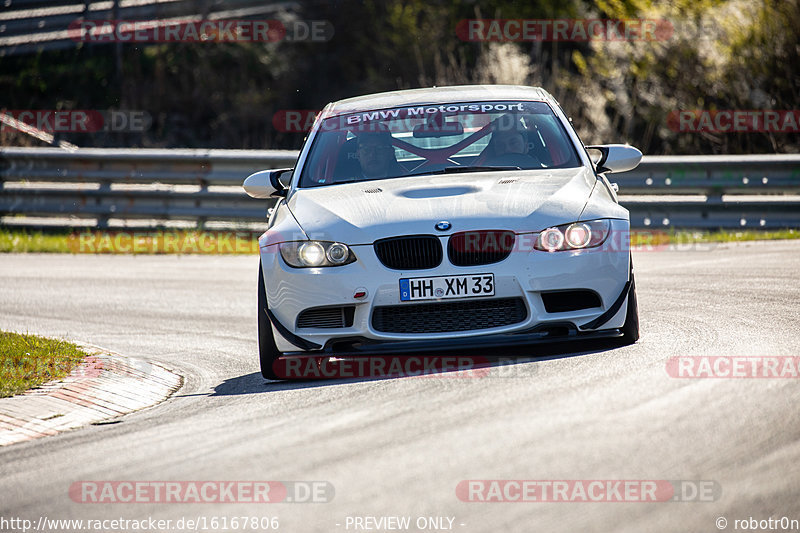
(120, 241)
(21, 241)
(643, 237)
(27, 361)
(201, 242)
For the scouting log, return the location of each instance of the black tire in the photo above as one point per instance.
(268, 352)
(630, 330)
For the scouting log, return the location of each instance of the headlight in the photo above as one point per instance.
(337, 253)
(575, 236)
(578, 235)
(550, 239)
(309, 254)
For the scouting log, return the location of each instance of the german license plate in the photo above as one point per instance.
(446, 287)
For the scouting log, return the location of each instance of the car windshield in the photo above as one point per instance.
(437, 139)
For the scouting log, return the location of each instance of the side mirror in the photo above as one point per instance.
(616, 157)
(267, 183)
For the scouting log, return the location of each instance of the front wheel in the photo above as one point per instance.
(630, 330)
(268, 352)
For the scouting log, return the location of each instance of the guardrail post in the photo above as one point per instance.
(102, 218)
(4, 166)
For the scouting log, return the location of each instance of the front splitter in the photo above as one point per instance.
(351, 346)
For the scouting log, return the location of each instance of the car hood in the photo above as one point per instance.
(521, 201)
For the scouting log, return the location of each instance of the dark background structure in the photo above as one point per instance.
(721, 55)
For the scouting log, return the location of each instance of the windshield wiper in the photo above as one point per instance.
(458, 169)
(360, 180)
(449, 170)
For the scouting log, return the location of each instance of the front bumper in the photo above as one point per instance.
(525, 274)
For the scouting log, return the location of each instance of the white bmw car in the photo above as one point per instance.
(443, 218)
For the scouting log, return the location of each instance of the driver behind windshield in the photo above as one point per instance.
(509, 144)
(376, 155)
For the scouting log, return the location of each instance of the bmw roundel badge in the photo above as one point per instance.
(443, 225)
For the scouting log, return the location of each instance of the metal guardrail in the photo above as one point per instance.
(106, 184)
(31, 26)
(760, 191)
(713, 175)
(730, 191)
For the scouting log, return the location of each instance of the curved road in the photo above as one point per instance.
(400, 447)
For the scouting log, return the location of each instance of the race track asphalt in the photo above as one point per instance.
(400, 447)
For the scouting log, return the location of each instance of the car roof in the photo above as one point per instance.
(436, 95)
